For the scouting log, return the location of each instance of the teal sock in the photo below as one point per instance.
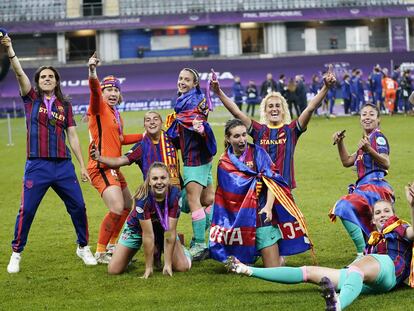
(352, 286)
(285, 275)
(209, 212)
(356, 235)
(199, 225)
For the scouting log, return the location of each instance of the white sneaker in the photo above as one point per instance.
(234, 265)
(110, 249)
(102, 258)
(14, 263)
(85, 254)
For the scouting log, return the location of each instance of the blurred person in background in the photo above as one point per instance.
(405, 91)
(252, 98)
(268, 86)
(389, 91)
(376, 88)
(292, 98)
(346, 93)
(301, 93)
(238, 92)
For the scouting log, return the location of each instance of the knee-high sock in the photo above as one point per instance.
(208, 212)
(285, 275)
(108, 225)
(356, 235)
(115, 233)
(351, 287)
(198, 218)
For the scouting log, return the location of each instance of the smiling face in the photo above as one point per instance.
(382, 211)
(152, 123)
(158, 182)
(274, 111)
(369, 119)
(186, 81)
(47, 81)
(237, 138)
(111, 95)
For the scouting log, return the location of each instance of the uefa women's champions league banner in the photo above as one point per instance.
(213, 18)
(153, 85)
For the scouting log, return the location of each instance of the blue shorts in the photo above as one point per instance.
(200, 174)
(130, 238)
(267, 236)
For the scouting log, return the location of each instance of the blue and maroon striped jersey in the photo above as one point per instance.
(396, 245)
(145, 209)
(280, 144)
(364, 163)
(46, 138)
(193, 147)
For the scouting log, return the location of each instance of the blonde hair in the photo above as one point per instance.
(286, 114)
(144, 189)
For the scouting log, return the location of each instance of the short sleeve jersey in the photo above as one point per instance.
(280, 144)
(145, 209)
(364, 162)
(46, 137)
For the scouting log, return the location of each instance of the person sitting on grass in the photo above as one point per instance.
(372, 162)
(387, 264)
(155, 214)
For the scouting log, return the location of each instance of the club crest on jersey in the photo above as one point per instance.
(381, 141)
(139, 210)
(28, 183)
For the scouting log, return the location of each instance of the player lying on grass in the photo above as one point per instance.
(387, 264)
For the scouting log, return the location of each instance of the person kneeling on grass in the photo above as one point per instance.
(388, 262)
(254, 212)
(153, 223)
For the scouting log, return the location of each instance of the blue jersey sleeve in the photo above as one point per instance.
(381, 144)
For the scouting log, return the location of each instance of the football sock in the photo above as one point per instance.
(207, 211)
(108, 225)
(285, 275)
(117, 230)
(356, 235)
(198, 218)
(351, 287)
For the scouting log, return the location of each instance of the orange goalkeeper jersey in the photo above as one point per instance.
(105, 132)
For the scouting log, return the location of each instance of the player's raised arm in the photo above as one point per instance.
(22, 79)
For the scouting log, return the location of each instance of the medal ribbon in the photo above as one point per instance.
(164, 220)
(48, 103)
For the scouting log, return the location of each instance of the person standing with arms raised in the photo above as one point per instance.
(49, 119)
(106, 132)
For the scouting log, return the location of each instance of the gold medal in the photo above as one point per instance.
(52, 121)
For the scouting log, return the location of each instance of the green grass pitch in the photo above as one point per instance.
(52, 277)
